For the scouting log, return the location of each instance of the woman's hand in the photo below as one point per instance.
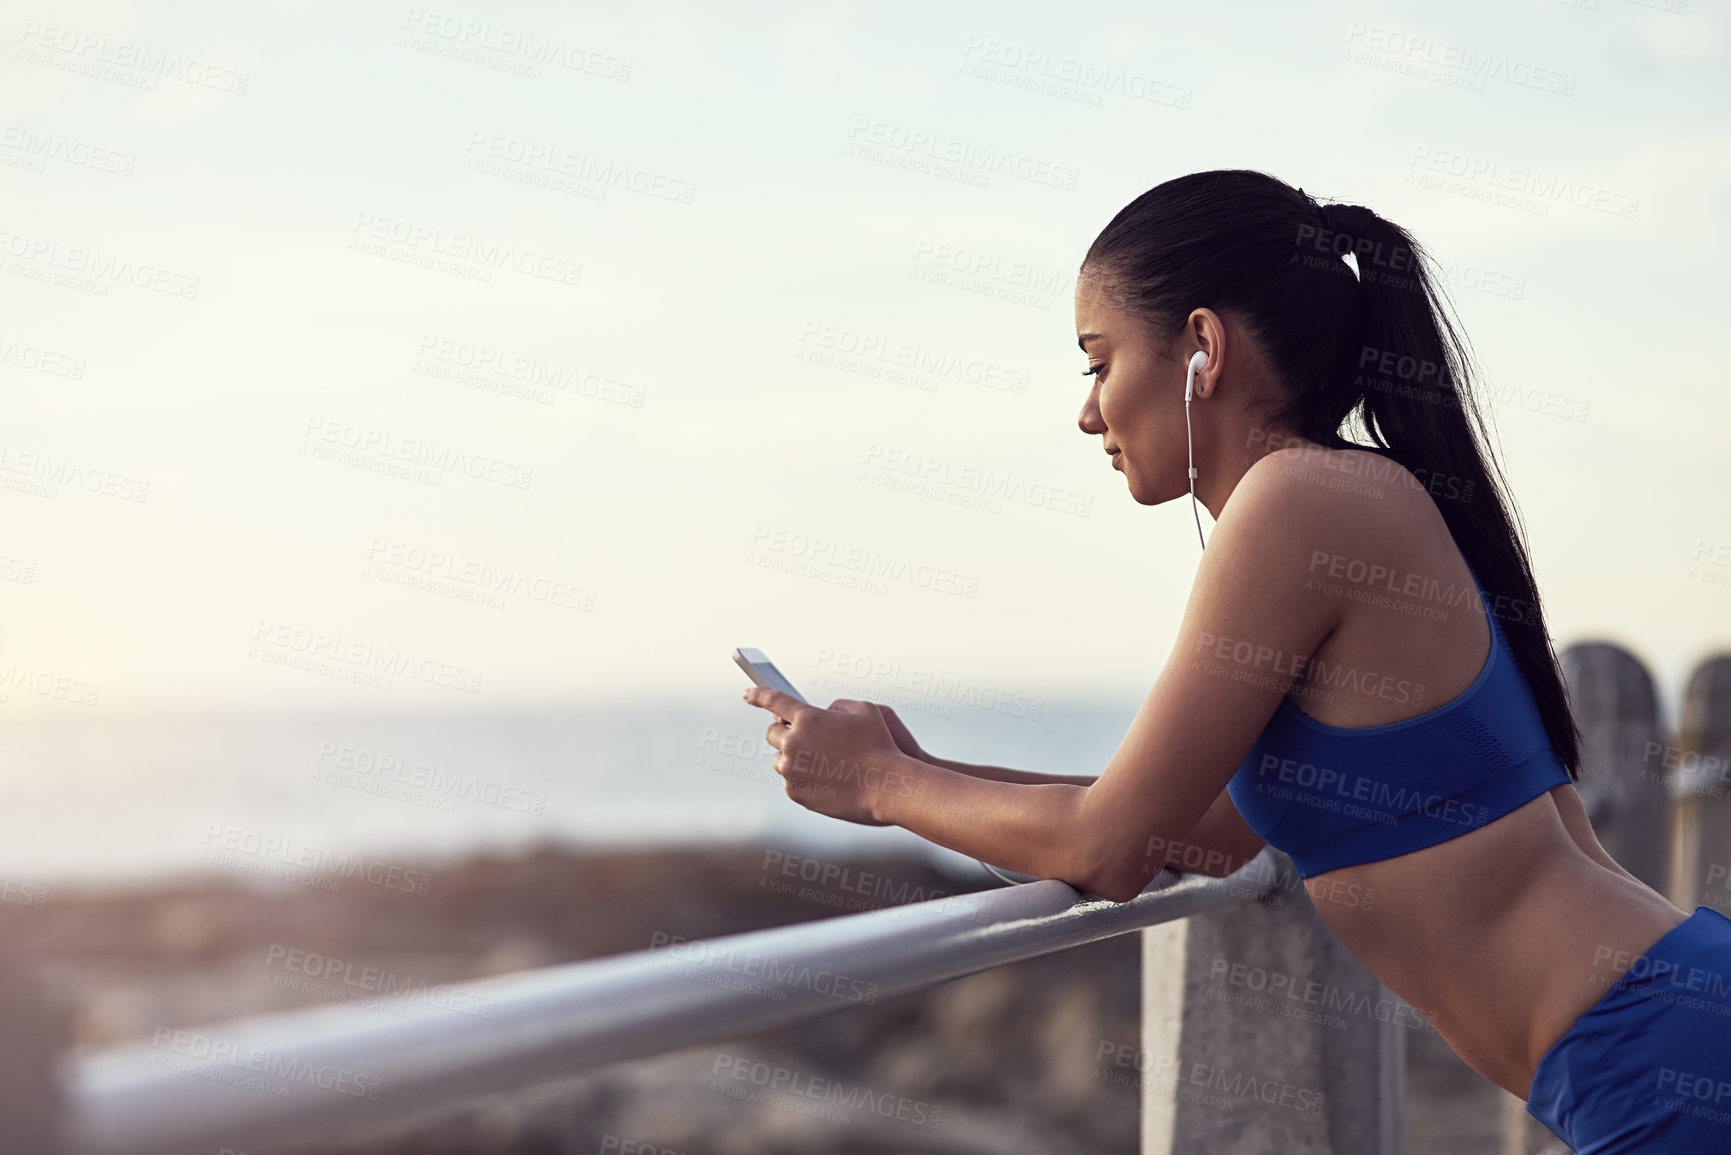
(905, 741)
(841, 761)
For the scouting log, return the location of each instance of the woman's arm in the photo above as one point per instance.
(910, 746)
(1253, 620)
(1218, 845)
(1005, 774)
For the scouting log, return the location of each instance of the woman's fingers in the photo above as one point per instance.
(905, 741)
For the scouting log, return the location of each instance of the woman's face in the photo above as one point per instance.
(1136, 403)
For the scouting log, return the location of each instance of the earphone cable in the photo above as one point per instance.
(1190, 446)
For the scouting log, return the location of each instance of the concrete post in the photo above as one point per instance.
(35, 1034)
(1618, 714)
(1263, 1035)
(1698, 767)
(1612, 696)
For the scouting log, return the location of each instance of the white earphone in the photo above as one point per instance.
(1197, 360)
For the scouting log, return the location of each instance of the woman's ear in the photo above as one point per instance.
(1207, 333)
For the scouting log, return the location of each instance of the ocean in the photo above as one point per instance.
(326, 799)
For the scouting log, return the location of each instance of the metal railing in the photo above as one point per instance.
(271, 1083)
(280, 1082)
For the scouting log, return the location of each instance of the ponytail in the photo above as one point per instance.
(1376, 349)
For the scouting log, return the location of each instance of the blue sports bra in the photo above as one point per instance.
(1333, 796)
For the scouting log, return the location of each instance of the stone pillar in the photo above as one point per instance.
(35, 1033)
(1698, 767)
(1263, 1035)
(1625, 791)
(1621, 782)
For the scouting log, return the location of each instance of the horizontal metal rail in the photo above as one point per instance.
(276, 1082)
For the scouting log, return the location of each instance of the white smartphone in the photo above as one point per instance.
(762, 671)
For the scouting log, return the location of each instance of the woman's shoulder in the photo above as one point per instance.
(1347, 499)
(1360, 471)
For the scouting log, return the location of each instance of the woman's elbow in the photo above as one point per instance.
(1120, 879)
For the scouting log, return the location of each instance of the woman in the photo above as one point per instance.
(1362, 677)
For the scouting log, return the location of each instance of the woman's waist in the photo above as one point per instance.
(1502, 962)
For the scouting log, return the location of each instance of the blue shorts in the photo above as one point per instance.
(1648, 1067)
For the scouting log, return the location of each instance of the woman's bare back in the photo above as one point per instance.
(1503, 936)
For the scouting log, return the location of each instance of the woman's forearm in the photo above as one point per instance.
(1036, 823)
(1030, 826)
(1004, 774)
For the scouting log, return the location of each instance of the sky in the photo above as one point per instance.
(478, 356)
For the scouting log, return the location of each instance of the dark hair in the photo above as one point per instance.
(1377, 347)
